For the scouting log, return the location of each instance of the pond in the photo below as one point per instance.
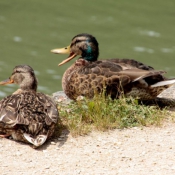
(124, 29)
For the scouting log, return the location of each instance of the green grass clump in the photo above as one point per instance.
(102, 114)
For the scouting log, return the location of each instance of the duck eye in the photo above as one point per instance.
(17, 71)
(77, 41)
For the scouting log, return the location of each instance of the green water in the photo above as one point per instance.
(142, 30)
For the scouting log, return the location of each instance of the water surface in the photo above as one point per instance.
(142, 30)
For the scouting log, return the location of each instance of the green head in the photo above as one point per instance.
(84, 45)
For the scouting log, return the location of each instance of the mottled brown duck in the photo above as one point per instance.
(27, 115)
(88, 75)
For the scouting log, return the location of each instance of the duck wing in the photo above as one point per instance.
(130, 63)
(29, 115)
(9, 111)
(110, 69)
(86, 77)
(49, 107)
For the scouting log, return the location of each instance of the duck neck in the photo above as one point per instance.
(29, 84)
(90, 54)
(89, 57)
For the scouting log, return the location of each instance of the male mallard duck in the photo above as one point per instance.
(27, 115)
(88, 75)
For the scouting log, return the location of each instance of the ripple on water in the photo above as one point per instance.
(8, 89)
(50, 71)
(34, 53)
(167, 50)
(143, 49)
(2, 63)
(150, 33)
(17, 38)
(2, 94)
(43, 88)
(56, 77)
(37, 72)
(2, 18)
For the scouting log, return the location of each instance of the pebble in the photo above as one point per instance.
(60, 139)
(47, 167)
(53, 143)
(143, 153)
(18, 153)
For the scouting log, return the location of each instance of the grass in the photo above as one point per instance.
(104, 114)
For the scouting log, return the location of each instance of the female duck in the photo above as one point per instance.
(27, 115)
(88, 75)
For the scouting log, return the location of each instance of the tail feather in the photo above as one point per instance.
(163, 83)
(38, 141)
(149, 74)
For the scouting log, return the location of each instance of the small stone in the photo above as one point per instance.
(47, 167)
(80, 98)
(18, 153)
(143, 153)
(60, 139)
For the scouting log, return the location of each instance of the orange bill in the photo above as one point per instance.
(8, 81)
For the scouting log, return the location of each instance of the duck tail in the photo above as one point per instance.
(164, 83)
(149, 74)
(38, 141)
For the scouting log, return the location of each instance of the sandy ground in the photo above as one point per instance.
(142, 151)
(135, 151)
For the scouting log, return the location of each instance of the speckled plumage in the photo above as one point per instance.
(88, 76)
(27, 115)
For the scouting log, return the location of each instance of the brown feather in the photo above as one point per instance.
(27, 111)
(88, 75)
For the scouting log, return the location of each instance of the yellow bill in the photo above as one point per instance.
(65, 50)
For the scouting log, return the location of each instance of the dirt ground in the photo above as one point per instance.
(135, 151)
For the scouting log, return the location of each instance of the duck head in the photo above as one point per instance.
(84, 45)
(24, 76)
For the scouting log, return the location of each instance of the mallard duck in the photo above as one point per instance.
(88, 76)
(27, 115)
